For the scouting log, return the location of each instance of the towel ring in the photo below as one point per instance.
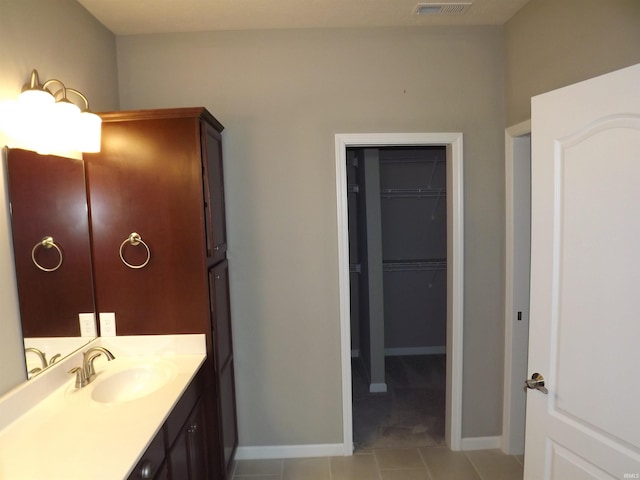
(135, 239)
(46, 242)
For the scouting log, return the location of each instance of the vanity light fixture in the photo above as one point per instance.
(68, 126)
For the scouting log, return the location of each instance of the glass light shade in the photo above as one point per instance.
(36, 98)
(46, 121)
(66, 111)
(62, 125)
(88, 133)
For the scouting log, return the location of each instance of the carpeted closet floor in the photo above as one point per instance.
(410, 414)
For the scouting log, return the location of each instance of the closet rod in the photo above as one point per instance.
(420, 192)
(415, 265)
(412, 160)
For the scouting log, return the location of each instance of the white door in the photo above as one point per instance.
(584, 336)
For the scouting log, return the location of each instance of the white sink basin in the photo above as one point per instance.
(131, 382)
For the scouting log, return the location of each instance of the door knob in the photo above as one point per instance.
(536, 383)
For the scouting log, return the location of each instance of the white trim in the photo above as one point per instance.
(289, 451)
(509, 442)
(455, 270)
(396, 352)
(481, 443)
(377, 388)
(343, 292)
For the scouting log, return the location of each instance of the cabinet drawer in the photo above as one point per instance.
(151, 460)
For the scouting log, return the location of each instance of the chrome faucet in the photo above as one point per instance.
(88, 358)
(40, 355)
(54, 358)
(86, 373)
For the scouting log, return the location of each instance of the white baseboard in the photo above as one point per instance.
(481, 443)
(395, 352)
(378, 387)
(290, 451)
(338, 449)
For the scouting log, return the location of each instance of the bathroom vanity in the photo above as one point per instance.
(178, 451)
(140, 418)
(154, 220)
(158, 236)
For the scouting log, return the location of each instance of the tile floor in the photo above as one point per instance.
(427, 463)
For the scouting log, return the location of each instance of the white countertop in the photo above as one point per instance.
(51, 430)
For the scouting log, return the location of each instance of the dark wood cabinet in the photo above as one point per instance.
(152, 461)
(214, 195)
(159, 175)
(187, 456)
(163, 473)
(179, 450)
(221, 326)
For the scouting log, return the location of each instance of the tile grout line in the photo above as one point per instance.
(426, 465)
(234, 475)
(375, 459)
(474, 466)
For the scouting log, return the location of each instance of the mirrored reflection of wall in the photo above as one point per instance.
(47, 197)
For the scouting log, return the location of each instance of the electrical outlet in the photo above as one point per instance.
(87, 325)
(107, 324)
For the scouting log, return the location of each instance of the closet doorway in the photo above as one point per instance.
(397, 263)
(390, 179)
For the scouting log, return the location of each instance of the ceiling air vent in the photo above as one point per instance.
(457, 8)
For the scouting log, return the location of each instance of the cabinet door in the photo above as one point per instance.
(187, 457)
(152, 460)
(147, 179)
(163, 473)
(196, 443)
(221, 325)
(214, 193)
(220, 313)
(228, 414)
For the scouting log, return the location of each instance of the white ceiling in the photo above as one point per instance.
(129, 17)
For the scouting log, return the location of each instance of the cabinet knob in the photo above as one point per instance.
(146, 470)
(216, 248)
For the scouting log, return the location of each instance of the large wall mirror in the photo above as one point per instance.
(52, 251)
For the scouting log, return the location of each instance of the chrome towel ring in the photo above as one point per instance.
(135, 239)
(46, 242)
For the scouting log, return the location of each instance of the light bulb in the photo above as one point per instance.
(88, 133)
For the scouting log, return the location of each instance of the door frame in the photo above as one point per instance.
(514, 400)
(455, 270)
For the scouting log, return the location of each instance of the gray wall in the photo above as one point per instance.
(554, 43)
(61, 40)
(282, 96)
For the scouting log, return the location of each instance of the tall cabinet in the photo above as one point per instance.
(156, 197)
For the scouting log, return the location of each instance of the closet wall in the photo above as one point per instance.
(412, 215)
